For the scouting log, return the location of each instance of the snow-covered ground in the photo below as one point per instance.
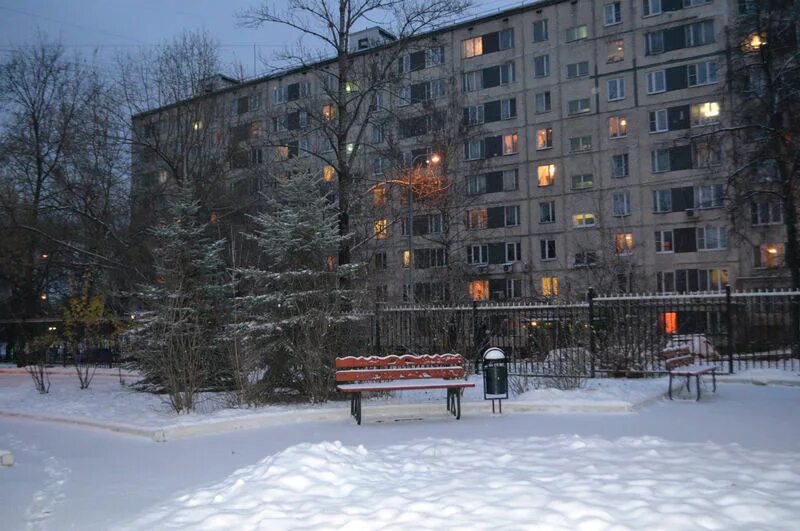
(108, 404)
(727, 462)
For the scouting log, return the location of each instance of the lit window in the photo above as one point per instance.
(380, 196)
(381, 227)
(623, 241)
(163, 175)
(549, 286)
(328, 173)
(406, 258)
(617, 127)
(350, 86)
(546, 174)
(328, 111)
(478, 218)
(214, 217)
(705, 113)
(577, 33)
(769, 255)
(583, 220)
(544, 138)
(668, 322)
(754, 42)
(472, 47)
(478, 290)
(282, 151)
(616, 50)
(197, 125)
(510, 144)
(330, 262)
(350, 147)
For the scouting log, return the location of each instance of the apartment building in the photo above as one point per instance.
(582, 154)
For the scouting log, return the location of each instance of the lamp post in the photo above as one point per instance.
(430, 158)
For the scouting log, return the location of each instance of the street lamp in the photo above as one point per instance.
(430, 158)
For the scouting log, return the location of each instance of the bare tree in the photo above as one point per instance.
(765, 81)
(62, 195)
(353, 80)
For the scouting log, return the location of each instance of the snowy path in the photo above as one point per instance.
(111, 479)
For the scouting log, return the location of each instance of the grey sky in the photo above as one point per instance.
(113, 25)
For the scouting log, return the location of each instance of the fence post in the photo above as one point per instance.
(590, 297)
(729, 325)
(475, 335)
(377, 342)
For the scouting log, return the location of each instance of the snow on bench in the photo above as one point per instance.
(356, 375)
(680, 362)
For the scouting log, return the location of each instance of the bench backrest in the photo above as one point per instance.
(677, 357)
(408, 366)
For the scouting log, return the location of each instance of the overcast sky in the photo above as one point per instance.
(113, 25)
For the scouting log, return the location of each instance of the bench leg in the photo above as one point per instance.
(688, 383)
(458, 403)
(697, 383)
(714, 379)
(358, 408)
(670, 386)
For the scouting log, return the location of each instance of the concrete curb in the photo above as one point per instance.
(6, 458)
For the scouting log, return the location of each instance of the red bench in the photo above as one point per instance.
(680, 362)
(401, 373)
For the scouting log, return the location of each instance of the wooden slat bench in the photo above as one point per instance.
(680, 362)
(401, 373)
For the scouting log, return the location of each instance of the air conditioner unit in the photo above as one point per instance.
(508, 266)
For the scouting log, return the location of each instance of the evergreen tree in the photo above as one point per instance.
(295, 311)
(176, 343)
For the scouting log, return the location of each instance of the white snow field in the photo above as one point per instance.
(726, 462)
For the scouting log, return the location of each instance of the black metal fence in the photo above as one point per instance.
(619, 335)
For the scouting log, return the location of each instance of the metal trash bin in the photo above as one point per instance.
(495, 376)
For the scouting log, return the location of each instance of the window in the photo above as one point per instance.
(705, 113)
(659, 160)
(542, 101)
(406, 258)
(549, 286)
(616, 89)
(621, 204)
(510, 144)
(612, 14)
(766, 213)
(380, 262)
(512, 216)
(577, 33)
(541, 66)
(662, 201)
(506, 75)
(659, 121)
(585, 259)
(711, 238)
(709, 196)
(617, 127)
(619, 166)
(769, 255)
(546, 174)
(425, 258)
(540, 31)
(547, 250)
(656, 82)
(547, 212)
(579, 106)
(478, 290)
(623, 242)
(513, 252)
(434, 56)
(474, 114)
(492, 218)
(699, 33)
(544, 138)
(665, 282)
(615, 51)
(707, 154)
(702, 74)
(381, 228)
(654, 43)
(583, 220)
(664, 241)
(478, 254)
(510, 180)
(279, 124)
(380, 196)
(651, 7)
(328, 111)
(583, 181)
(577, 69)
(328, 173)
(508, 109)
(507, 39)
(377, 134)
(473, 150)
(496, 181)
(580, 143)
(472, 47)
